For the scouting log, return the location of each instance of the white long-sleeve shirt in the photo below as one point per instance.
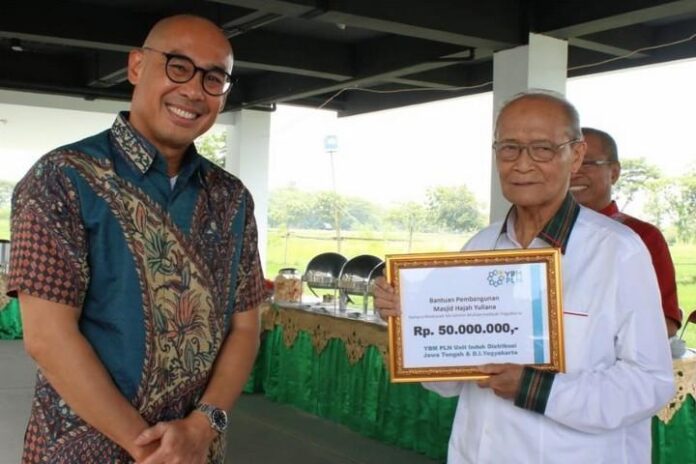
(618, 364)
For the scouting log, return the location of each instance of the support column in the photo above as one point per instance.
(248, 136)
(540, 65)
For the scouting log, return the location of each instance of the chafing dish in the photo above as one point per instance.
(322, 273)
(356, 276)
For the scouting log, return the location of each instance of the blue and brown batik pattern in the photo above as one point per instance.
(157, 272)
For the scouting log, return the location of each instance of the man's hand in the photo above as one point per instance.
(184, 441)
(139, 453)
(386, 302)
(504, 379)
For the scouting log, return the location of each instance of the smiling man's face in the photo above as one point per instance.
(527, 183)
(171, 115)
(591, 185)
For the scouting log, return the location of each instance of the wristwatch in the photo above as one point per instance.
(216, 416)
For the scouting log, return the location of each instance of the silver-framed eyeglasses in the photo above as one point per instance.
(541, 151)
(181, 69)
(594, 163)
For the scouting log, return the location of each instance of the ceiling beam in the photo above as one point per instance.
(579, 59)
(377, 61)
(577, 18)
(256, 50)
(357, 102)
(419, 84)
(279, 7)
(492, 24)
(262, 94)
(52, 74)
(71, 24)
(109, 69)
(302, 56)
(96, 27)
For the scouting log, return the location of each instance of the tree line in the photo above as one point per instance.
(451, 209)
(669, 202)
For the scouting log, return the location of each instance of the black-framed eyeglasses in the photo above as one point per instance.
(541, 152)
(594, 163)
(181, 69)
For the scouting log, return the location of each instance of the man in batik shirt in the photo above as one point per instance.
(136, 265)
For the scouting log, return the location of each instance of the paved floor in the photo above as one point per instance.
(260, 431)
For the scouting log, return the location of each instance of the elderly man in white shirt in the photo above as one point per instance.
(618, 365)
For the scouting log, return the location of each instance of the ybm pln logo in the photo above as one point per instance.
(498, 277)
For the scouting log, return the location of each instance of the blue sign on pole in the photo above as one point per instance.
(331, 143)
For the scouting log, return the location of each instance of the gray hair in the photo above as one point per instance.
(570, 111)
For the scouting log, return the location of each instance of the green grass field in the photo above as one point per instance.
(684, 257)
(300, 246)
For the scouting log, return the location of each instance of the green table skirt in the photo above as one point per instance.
(10, 321)
(358, 396)
(675, 442)
(361, 397)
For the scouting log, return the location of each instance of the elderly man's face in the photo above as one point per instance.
(591, 185)
(532, 184)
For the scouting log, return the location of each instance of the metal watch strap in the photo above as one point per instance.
(216, 416)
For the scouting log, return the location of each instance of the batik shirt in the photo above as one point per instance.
(156, 271)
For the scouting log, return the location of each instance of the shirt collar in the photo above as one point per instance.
(610, 210)
(557, 231)
(143, 155)
(133, 146)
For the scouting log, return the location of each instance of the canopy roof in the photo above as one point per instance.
(305, 51)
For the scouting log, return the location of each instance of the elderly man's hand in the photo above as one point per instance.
(386, 302)
(504, 379)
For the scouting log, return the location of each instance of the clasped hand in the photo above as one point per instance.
(183, 441)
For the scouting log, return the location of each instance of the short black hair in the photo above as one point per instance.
(608, 143)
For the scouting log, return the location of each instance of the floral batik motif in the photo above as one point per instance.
(89, 222)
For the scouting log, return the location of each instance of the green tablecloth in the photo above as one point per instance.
(10, 321)
(675, 442)
(360, 396)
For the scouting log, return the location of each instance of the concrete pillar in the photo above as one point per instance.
(540, 65)
(248, 137)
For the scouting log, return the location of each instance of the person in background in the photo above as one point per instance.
(136, 265)
(618, 366)
(591, 186)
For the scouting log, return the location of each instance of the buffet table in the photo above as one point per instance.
(10, 320)
(674, 427)
(336, 367)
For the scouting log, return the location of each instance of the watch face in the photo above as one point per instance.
(219, 418)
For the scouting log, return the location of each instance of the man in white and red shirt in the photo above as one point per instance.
(591, 186)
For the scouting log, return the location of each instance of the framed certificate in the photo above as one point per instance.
(462, 310)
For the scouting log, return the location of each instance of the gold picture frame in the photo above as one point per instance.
(475, 298)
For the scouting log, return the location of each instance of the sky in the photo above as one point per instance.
(396, 155)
